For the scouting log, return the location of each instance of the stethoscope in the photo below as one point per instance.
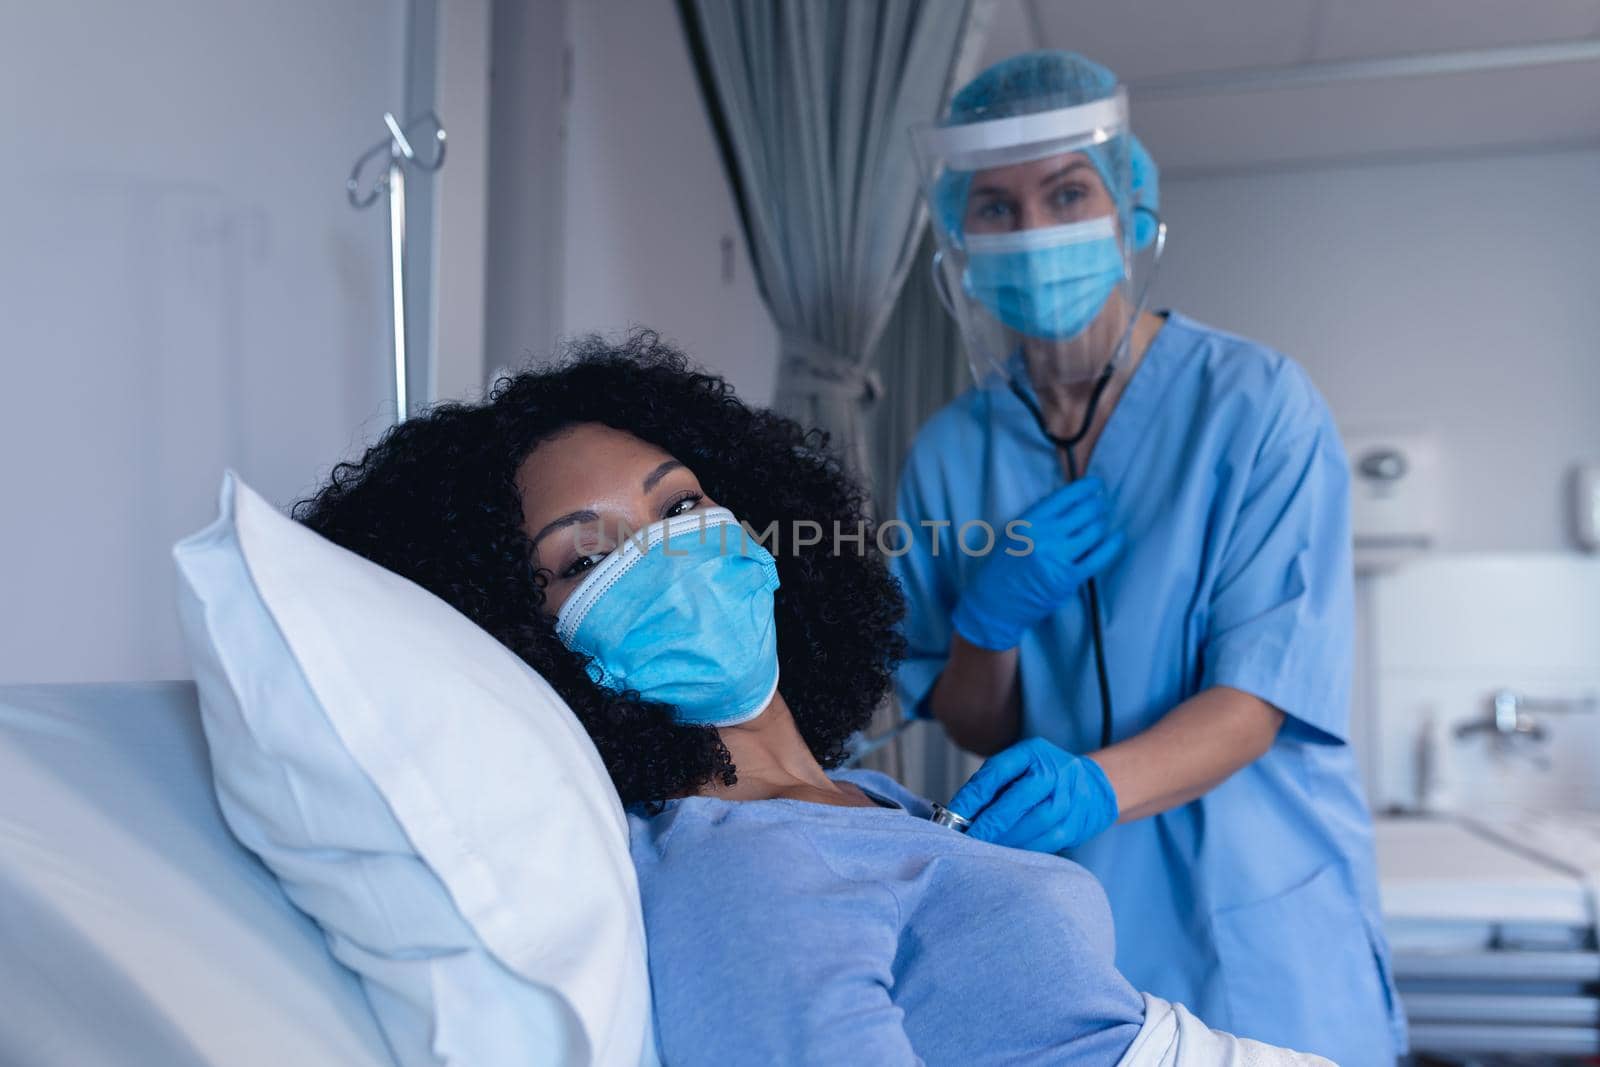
(1091, 588)
(1068, 445)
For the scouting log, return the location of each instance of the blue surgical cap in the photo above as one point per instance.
(1045, 81)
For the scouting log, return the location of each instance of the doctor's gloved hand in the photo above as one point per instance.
(1037, 796)
(1072, 542)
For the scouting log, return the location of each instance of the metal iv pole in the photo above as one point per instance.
(397, 148)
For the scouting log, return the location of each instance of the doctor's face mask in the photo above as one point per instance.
(1040, 196)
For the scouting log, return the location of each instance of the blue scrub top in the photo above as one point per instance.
(1255, 905)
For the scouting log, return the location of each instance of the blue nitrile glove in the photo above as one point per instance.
(1072, 542)
(1038, 797)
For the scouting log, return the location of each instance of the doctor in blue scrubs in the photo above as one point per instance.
(1129, 581)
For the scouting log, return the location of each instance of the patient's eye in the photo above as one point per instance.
(594, 549)
(681, 504)
(580, 565)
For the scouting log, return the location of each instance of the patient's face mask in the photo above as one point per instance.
(682, 613)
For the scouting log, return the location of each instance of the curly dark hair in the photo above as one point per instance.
(436, 500)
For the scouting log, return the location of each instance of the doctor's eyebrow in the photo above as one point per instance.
(988, 190)
(1076, 164)
(1055, 175)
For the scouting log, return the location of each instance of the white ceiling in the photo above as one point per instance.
(1185, 48)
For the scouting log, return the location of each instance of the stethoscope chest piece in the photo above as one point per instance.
(943, 816)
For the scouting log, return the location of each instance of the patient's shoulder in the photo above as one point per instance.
(713, 845)
(886, 787)
(754, 869)
(712, 848)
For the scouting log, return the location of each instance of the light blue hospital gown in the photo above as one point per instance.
(785, 932)
(1255, 905)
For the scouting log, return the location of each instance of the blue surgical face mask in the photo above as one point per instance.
(682, 614)
(1048, 282)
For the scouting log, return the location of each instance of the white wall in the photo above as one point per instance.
(641, 213)
(649, 211)
(460, 264)
(447, 210)
(1456, 296)
(526, 180)
(182, 288)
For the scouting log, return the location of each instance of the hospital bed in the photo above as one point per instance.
(1491, 921)
(134, 929)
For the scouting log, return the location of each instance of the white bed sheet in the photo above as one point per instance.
(133, 928)
(1449, 887)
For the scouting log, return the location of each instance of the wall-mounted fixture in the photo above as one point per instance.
(1586, 506)
(1394, 497)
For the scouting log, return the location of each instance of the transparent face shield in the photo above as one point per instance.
(1037, 231)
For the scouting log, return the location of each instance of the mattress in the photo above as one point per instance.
(133, 928)
(1457, 885)
(1491, 924)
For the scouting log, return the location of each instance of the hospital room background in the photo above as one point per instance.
(1403, 195)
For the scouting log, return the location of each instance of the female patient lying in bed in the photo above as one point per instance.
(793, 916)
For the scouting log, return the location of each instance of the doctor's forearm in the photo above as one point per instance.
(1193, 749)
(976, 697)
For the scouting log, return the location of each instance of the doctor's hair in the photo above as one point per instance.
(436, 501)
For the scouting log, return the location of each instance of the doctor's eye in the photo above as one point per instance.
(993, 210)
(1068, 196)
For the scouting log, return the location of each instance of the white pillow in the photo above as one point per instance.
(422, 793)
